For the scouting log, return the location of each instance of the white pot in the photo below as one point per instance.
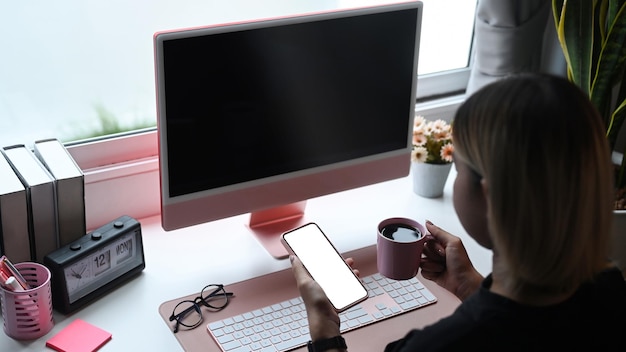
(429, 179)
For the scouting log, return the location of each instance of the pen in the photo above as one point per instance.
(13, 285)
(3, 276)
(3, 279)
(13, 271)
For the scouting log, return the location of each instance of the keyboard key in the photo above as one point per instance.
(349, 324)
(429, 296)
(292, 343)
(378, 291)
(216, 325)
(225, 338)
(245, 341)
(409, 305)
(366, 319)
(355, 313)
(231, 345)
(296, 301)
(240, 349)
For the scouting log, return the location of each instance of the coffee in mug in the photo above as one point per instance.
(401, 232)
(399, 246)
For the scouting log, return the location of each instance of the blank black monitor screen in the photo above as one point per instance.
(246, 102)
(238, 113)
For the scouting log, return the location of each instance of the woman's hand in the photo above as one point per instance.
(445, 261)
(323, 319)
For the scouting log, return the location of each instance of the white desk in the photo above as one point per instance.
(181, 262)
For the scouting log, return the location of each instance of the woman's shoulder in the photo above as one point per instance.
(611, 274)
(607, 289)
(609, 282)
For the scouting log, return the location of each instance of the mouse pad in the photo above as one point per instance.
(278, 286)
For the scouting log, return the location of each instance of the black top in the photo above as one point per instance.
(593, 319)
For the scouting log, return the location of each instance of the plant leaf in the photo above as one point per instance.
(557, 10)
(576, 35)
(617, 119)
(557, 5)
(613, 7)
(610, 65)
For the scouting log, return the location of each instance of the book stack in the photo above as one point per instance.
(42, 203)
(70, 188)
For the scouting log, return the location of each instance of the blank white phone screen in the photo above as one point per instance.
(326, 266)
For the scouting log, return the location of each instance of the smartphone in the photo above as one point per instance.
(325, 265)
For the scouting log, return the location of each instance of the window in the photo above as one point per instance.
(79, 69)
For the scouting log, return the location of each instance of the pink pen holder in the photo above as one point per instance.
(28, 314)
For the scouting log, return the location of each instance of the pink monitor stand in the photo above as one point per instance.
(268, 225)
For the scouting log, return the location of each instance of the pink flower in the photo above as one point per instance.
(432, 141)
(446, 152)
(419, 154)
(419, 122)
(419, 138)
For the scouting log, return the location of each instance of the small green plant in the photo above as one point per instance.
(109, 125)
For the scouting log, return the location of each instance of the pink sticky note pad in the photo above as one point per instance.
(79, 336)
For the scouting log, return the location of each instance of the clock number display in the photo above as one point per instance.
(101, 263)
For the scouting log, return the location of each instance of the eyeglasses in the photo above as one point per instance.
(188, 313)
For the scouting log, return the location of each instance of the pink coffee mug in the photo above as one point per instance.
(399, 247)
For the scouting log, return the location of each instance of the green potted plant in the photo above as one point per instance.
(592, 34)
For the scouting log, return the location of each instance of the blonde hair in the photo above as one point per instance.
(540, 146)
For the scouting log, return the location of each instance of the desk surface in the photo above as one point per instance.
(181, 262)
(279, 286)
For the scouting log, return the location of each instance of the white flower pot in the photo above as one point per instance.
(429, 179)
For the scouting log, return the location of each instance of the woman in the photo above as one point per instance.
(534, 185)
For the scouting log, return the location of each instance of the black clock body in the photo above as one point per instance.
(95, 264)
